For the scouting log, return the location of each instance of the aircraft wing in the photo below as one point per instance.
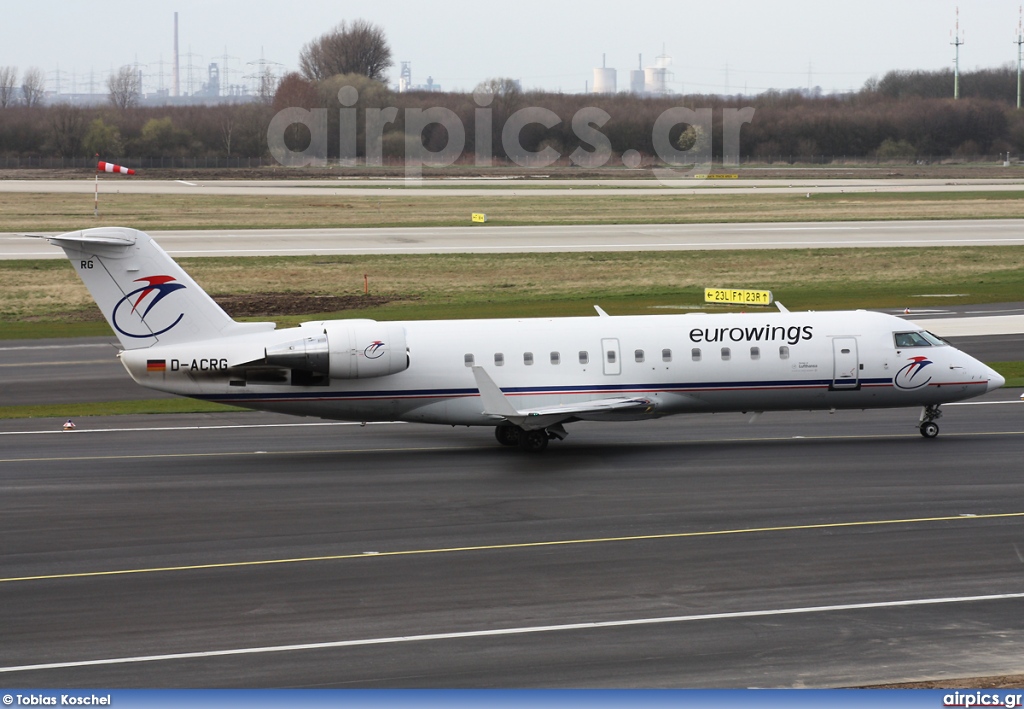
(498, 405)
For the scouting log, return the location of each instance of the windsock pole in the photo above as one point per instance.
(106, 167)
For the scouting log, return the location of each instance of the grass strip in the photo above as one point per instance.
(62, 412)
(1012, 371)
(45, 298)
(35, 212)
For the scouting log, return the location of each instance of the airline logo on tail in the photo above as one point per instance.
(141, 302)
(907, 377)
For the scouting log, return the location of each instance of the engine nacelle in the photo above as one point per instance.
(345, 349)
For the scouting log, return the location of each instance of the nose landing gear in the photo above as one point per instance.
(929, 415)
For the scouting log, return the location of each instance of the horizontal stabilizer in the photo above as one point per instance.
(81, 240)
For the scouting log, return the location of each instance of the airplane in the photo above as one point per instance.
(527, 378)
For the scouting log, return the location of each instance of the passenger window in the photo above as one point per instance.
(499, 359)
(584, 357)
(726, 353)
(611, 356)
(695, 354)
(755, 353)
(666, 355)
(783, 352)
(556, 358)
(469, 360)
(527, 358)
(638, 355)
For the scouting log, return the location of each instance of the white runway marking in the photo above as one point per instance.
(205, 428)
(513, 631)
(981, 403)
(530, 248)
(56, 347)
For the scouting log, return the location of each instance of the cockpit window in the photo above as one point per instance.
(918, 338)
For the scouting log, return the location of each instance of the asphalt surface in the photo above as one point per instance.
(68, 370)
(800, 550)
(598, 237)
(252, 550)
(667, 182)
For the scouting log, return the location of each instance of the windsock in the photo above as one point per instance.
(111, 167)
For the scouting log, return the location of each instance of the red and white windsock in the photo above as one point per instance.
(111, 167)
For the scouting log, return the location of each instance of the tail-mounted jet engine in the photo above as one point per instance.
(345, 349)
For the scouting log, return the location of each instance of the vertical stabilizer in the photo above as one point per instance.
(144, 295)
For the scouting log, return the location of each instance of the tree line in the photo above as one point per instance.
(901, 115)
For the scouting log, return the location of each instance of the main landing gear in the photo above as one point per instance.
(530, 441)
(929, 415)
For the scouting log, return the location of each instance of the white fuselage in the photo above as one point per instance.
(682, 363)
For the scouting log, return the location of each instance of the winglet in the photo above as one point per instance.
(495, 402)
(601, 312)
(782, 308)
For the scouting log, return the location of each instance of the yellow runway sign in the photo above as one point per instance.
(738, 296)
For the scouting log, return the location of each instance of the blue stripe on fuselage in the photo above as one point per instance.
(536, 391)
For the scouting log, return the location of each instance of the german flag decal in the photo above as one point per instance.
(156, 365)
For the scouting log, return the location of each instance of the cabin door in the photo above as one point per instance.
(846, 363)
(610, 356)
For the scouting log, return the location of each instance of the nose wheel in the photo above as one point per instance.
(929, 415)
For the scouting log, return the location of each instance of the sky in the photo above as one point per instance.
(716, 46)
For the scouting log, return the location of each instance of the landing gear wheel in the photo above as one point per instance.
(508, 435)
(533, 441)
(929, 429)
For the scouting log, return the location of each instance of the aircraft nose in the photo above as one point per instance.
(995, 380)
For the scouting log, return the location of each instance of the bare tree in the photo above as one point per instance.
(356, 48)
(33, 84)
(228, 123)
(8, 82)
(506, 97)
(67, 128)
(124, 87)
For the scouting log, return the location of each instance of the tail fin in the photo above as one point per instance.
(145, 296)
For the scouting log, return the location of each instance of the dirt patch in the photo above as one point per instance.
(271, 304)
(250, 305)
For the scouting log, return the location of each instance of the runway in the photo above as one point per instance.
(243, 550)
(666, 182)
(543, 239)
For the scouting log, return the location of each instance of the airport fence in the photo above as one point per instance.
(13, 162)
(193, 163)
